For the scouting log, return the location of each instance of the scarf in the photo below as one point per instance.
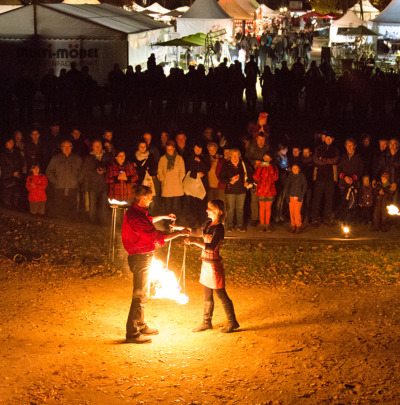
(140, 156)
(99, 156)
(171, 161)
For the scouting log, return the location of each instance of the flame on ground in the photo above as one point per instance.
(392, 210)
(346, 229)
(165, 283)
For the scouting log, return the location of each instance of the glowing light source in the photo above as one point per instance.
(392, 210)
(346, 231)
(116, 202)
(165, 283)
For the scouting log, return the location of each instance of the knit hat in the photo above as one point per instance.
(385, 175)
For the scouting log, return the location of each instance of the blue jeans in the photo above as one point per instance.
(235, 204)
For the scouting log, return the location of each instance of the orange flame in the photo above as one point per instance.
(392, 210)
(165, 283)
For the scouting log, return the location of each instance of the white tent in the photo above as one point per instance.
(93, 35)
(234, 10)
(388, 21)
(339, 26)
(251, 6)
(268, 12)
(369, 11)
(157, 9)
(205, 16)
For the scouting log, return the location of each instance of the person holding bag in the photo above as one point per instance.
(197, 166)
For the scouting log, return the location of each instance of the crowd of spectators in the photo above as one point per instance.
(287, 87)
(263, 180)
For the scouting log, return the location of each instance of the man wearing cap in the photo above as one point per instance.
(326, 157)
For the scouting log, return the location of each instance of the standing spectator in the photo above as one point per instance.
(237, 175)
(325, 157)
(390, 163)
(108, 137)
(254, 154)
(350, 169)
(81, 146)
(198, 165)
(65, 175)
(366, 154)
(383, 197)
(121, 177)
(25, 90)
(35, 151)
(36, 184)
(252, 72)
(295, 189)
(171, 172)
(145, 164)
(307, 167)
(379, 157)
(48, 87)
(116, 83)
(268, 89)
(181, 145)
(54, 141)
(282, 162)
(11, 164)
(266, 175)
(94, 172)
(221, 186)
(366, 200)
(213, 158)
(153, 150)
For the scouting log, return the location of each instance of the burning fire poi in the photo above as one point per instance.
(392, 210)
(116, 202)
(165, 283)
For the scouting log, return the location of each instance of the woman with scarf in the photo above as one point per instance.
(198, 165)
(171, 172)
(145, 162)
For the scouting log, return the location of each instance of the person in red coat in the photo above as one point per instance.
(266, 174)
(36, 184)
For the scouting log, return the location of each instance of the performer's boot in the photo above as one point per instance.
(207, 317)
(230, 314)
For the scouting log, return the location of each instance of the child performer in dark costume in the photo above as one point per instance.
(212, 270)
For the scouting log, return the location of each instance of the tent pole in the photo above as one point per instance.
(361, 10)
(34, 18)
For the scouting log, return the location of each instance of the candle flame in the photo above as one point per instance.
(165, 283)
(116, 202)
(392, 210)
(346, 229)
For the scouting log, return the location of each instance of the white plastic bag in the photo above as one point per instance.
(193, 187)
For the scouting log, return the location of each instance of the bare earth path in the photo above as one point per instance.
(61, 343)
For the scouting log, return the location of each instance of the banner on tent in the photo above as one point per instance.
(41, 55)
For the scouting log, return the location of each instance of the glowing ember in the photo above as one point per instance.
(392, 210)
(116, 202)
(165, 283)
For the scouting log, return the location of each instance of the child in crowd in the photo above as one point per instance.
(383, 195)
(366, 200)
(36, 184)
(295, 189)
(266, 175)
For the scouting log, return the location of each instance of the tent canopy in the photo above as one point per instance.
(249, 5)
(234, 10)
(206, 9)
(348, 20)
(157, 8)
(390, 15)
(268, 12)
(100, 21)
(198, 39)
(361, 31)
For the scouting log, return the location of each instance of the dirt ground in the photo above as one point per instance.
(61, 342)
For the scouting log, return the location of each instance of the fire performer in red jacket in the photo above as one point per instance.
(140, 237)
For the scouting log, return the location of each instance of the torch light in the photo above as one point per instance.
(346, 231)
(116, 207)
(392, 210)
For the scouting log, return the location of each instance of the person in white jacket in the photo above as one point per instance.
(171, 172)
